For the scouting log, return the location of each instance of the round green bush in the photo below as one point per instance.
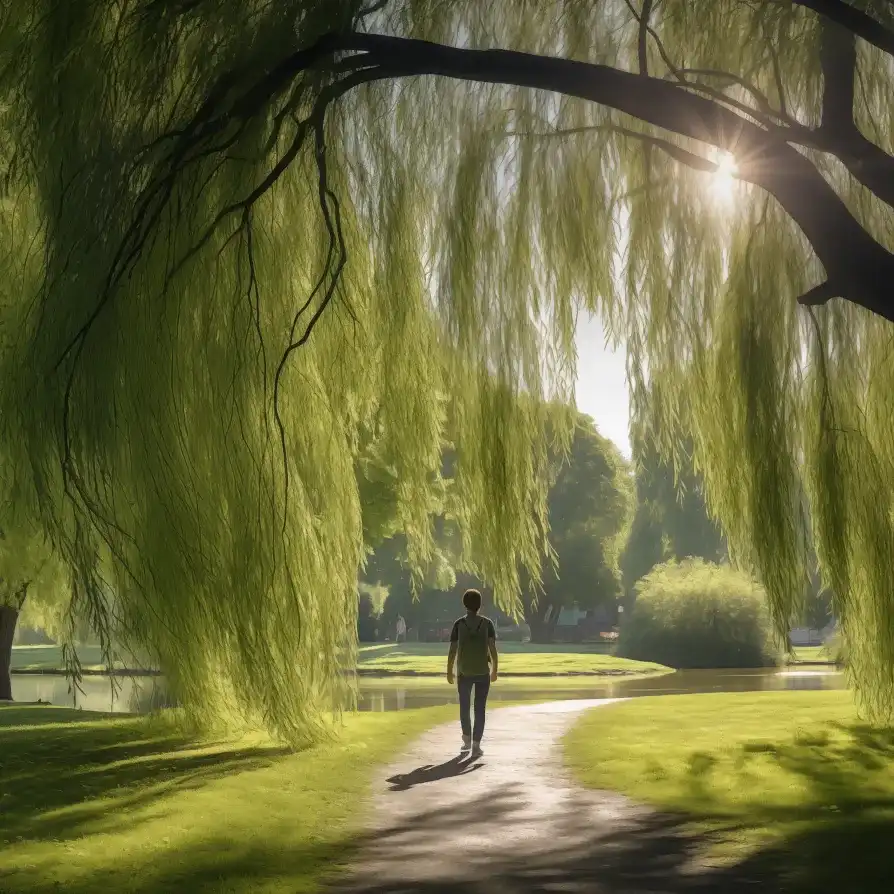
(694, 614)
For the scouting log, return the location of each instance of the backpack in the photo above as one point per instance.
(472, 658)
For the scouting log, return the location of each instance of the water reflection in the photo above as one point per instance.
(141, 694)
(133, 695)
(376, 697)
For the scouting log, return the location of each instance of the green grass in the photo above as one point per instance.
(50, 657)
(779, 785)
(515, 658)
(810, 655)
(91, 803)
(411, 658)
(517, 685)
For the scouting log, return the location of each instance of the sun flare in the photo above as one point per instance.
(723, 180)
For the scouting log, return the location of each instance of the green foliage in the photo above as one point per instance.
(694, 614)
(237, 264)
(589, 508)
(32, 576)
(367, 619)
(671, 520)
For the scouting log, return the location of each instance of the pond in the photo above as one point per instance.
(140, 694)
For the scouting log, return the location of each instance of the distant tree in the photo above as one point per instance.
(589, 508)
(671, 520)
(819, 602)
(818, 607)
(367, 619)
(389, 566)
(30, 576)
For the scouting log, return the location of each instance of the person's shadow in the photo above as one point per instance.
(456, 766)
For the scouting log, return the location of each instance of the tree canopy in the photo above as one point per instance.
(244, 240)
(670, 520)
(590, 503)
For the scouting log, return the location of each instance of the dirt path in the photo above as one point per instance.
(513, 821)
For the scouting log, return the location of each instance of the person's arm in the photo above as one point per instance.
(494, 655)
(451, 655)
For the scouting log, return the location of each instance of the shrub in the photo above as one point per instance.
(694, 614)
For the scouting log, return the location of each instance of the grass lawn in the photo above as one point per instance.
(538, 686)
(90, 803)
(809, 654)
(50, 657)
(515, 658)
(782, 786)
(410, 658)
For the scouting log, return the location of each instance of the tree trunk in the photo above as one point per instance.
(542, 620)
(9, 616)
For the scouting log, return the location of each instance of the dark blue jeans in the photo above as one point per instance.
(481, 686)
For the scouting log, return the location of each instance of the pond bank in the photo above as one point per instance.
(142, 694)
(378, 673)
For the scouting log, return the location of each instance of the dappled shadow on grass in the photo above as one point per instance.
(62, 774)
(835, 838)
(659, 853)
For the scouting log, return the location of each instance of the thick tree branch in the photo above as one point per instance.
(839, 134)
(838, 60)
(854, 20)
(857, 266)
(643, 41)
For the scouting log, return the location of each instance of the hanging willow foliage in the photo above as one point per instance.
(252, 242)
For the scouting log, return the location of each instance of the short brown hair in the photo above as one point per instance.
(472, 600)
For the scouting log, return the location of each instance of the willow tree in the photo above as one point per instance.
(247, 233)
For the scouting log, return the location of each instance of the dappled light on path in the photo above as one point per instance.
(520, 826)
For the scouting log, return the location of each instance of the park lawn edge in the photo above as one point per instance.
(775, 778)
(384, 660)
(328, 784)
(182, 837)
(600, 735)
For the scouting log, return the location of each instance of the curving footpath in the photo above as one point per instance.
(512, 821)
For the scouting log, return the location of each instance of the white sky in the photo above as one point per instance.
(601, 383)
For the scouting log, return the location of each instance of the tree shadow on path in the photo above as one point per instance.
(651, 854)
(456, 766)
(824, 828)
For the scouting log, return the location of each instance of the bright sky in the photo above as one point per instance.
(602, 384)
(601, 378)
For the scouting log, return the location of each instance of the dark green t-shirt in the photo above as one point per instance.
(472, 634)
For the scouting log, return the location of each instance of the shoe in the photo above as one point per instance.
(467, 743)
(476, 749)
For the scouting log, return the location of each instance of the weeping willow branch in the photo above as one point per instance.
(210, 185)
(854, 261)
(690, 159)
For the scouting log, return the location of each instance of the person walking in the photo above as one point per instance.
(401, 636)
(473, 652)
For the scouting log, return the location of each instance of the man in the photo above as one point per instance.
(473, 649)
(401, 630)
